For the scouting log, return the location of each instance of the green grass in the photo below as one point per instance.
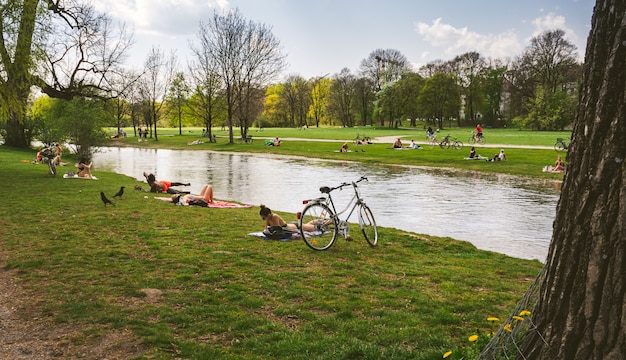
(228, 295)
(521, 161)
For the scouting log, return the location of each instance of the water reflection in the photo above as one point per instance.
(502, 213)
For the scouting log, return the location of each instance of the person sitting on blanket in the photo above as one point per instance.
(272, 219)
(472, 153)
(206, 194)
(397, 144)
(162, 186)
(84, 169)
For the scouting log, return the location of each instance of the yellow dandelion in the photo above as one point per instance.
(447, 354)
(493, 319)
(473, 338)
(524, 313)
(507, 327)
(518, 318)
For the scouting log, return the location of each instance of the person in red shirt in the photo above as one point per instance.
(479, 131)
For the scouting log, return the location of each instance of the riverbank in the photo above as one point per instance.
(146, 279)
(528, 153)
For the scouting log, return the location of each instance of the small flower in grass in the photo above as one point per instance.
(447, 354)
(524, 313)
(494, 319)
(518, 318)
(507, 327)
(473, 338)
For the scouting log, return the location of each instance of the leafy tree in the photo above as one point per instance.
(341, 97)
(80, 121)
(580, 310)
(66, 51)
(364, 98)
(469, 69)
(409, 88)
(320, 93)
(493, 86)
(440, 98)
(177, 97)
(296, 96)
(275, 111)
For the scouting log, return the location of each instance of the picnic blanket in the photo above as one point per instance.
(294, 236)
(477, 157)
(215, 204)
(68, 176)
(551, 169)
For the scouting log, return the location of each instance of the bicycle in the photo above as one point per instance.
(322, 214)
(450, 141)
(48, 155)
(247, 140)
(432, 140)
(474, 139)
(561, 144)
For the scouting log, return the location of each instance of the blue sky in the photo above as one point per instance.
(322, 37)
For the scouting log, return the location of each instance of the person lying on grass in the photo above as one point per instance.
(272, 219)
(162, 186)
(206, 195)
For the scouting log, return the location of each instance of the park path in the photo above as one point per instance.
(391, 138)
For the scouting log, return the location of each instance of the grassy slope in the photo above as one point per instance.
(228, 295)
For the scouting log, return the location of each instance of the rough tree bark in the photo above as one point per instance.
(581, 310)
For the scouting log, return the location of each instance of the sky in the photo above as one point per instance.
(321, 37)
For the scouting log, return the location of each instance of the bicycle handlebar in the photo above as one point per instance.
(325, 189)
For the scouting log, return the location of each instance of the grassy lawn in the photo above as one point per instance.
(521, 161)
(187, 283)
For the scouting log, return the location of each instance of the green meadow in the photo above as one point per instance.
(188, 283)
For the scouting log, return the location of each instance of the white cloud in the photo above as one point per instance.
(552, 22)
(161, 17)
(456, 41)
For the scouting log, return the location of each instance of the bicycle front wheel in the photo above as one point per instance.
(444, 145)
(53, 167)
(368, 225)
(458, 145)
(318, 226)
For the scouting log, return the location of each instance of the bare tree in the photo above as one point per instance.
(208, 86)
(384, 66)
(159, 73)
(580, 313)
(247, 58)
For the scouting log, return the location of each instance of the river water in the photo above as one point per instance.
(501, 213)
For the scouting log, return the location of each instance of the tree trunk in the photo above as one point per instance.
(581, 310)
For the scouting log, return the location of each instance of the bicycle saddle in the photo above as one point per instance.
(325, 190)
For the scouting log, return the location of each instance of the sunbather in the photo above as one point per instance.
(206, 194)
(272, 219)
(162, 186)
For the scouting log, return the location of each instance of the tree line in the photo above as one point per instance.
(75, 56)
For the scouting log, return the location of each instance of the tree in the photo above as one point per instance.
(319, 100)
(80, 121)
(247, 57)
(469, 70)
(493, 86)
(440, 98)
(364, 98)
(341, 97)
(154, 86)
(207, 100)
(66, 51)
(275, 110)
(177, 98)
(384, 66)
(582, 296)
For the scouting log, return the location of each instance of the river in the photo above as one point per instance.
(506, 214)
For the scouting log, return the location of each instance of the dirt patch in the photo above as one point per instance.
(28, 334)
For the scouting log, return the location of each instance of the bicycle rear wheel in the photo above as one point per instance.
(318, 226)
(472, 140)
(482, 140)
(368, 225)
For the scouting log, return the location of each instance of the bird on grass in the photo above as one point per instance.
(105, 200)
(119, 193)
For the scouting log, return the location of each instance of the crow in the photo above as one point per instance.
(105, 200)
(119, 193)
